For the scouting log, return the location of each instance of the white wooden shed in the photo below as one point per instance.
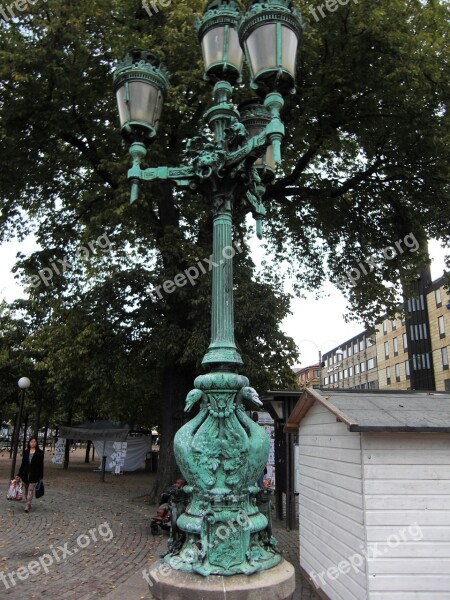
(374, 476)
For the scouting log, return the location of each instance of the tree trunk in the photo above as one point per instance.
(45, 436)
(88, 449)
(177, 382)
(67, 448)
(13, 436)
(38, 417)
(25, 428)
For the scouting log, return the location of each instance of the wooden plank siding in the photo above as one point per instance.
(406, 478)
(331, 505)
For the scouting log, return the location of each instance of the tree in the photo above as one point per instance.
(365, 164)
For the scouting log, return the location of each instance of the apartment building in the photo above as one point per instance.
(353, 365)
(408, 352)
(394, 370)
(438, 303)
(308, 377)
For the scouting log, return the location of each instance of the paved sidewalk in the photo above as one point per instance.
(88, 540)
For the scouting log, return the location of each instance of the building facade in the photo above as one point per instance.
(308, 377)
(353, 365)
(438, 302)
(409, 352)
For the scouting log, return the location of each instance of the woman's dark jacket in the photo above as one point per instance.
(34, 471)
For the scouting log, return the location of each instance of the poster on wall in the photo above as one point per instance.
(58, 454)
(118, 457)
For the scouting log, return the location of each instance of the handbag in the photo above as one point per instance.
(15, 490)
(39, 489)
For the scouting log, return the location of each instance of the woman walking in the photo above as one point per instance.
(31, 470)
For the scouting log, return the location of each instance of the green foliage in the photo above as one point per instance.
(366, 162)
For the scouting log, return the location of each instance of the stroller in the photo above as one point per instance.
(173, 503)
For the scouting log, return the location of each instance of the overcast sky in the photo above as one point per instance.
(314, 324)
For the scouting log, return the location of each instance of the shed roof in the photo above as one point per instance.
(378, 411)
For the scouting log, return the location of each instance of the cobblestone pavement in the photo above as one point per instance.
(96, 537)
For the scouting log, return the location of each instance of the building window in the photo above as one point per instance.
(350, 371)
(350, 350)
(441, 327)
(388, 375)
(385, 327)
(355, 348)
(397, 372)
(395, 343)
(371, 363)
(419, 332)
(416, 304)
(407, 371)
(326, 381)
(345, 373)
(340, 375)
(405, 342)
(438, 297)
(344, 353)
(361, 345)
(362, 367)
(356, 369)
(386, 349)
(421, 361)
(316, 373)
(444, 356)
(394, 325)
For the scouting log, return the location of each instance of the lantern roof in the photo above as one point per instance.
(218, 12)
(141, 64)
(261, 12)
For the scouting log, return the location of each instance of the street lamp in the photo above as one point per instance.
(23, 383)
(218, 35)
(221, 452)
(270, 33)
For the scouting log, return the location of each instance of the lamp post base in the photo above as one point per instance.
(277, 583)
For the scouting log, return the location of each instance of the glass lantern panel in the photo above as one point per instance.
(124, 114)
(270, 160)
(290, 43)
(144, 101)
(266, 159)
(235, 52)
(252, 131)
(213, 46)
(262, 48)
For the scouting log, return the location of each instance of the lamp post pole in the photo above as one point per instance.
(221, 451)
(23, 384)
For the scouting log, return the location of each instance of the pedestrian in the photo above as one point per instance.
(31, 470)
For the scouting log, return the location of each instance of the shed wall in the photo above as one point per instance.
(407, 503)
(331, 504)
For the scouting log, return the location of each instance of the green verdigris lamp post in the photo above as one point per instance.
(221, 452)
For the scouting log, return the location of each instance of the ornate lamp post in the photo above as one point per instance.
(221, 452)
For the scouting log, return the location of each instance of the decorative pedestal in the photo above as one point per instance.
(273, 584)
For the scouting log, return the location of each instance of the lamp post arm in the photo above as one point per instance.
(182, 176)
